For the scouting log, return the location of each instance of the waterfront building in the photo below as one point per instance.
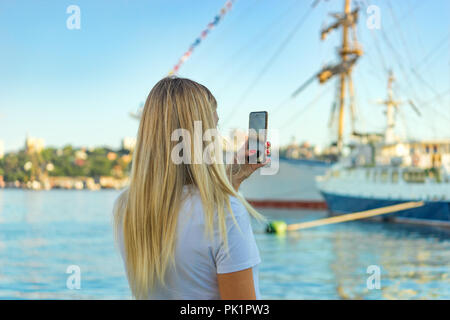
(34, 145)
(128, 143)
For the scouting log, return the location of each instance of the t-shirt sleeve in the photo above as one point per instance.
(242, 251)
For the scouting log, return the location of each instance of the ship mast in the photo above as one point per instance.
(349, 53)
(391, 104)
(391, 110)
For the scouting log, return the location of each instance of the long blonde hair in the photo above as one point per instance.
(148, 209)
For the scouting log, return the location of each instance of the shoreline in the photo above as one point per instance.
(69, 183)
(60, 189)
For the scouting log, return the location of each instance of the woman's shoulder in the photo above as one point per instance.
(120, 202)
(237, 205)
(239, 211)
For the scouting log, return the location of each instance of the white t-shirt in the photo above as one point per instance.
(198, 260)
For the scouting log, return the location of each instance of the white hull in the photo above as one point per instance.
(292, 187)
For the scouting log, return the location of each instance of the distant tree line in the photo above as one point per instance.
(69, 161)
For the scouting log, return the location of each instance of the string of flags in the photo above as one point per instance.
(203, 35)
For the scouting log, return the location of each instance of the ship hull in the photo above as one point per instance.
(293, 187)
(432, 213)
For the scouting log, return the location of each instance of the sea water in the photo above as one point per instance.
(47, 238)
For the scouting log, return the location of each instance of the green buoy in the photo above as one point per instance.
(278, 227)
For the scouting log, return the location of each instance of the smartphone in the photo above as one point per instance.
(257, 136)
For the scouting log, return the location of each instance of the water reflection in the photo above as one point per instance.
(414, 260)
(41, 233)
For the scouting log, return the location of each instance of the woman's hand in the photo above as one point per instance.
(241, 171)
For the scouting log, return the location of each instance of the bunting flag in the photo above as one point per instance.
(203, 35)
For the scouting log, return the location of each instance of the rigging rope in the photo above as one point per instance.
(249, 44)
(307, 106)
(400, 32)
(271, 60)
(433, 51)
(397, 57)
(245, 14)
(203, 35)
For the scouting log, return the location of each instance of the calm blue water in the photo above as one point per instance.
(42, 233)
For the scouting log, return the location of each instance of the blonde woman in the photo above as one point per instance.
(183, 230)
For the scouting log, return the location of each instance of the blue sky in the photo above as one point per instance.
(78, 86)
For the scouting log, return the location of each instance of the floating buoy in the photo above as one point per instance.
(278, 227)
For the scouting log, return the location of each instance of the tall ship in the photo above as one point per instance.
(386, 171)
(294, 185)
